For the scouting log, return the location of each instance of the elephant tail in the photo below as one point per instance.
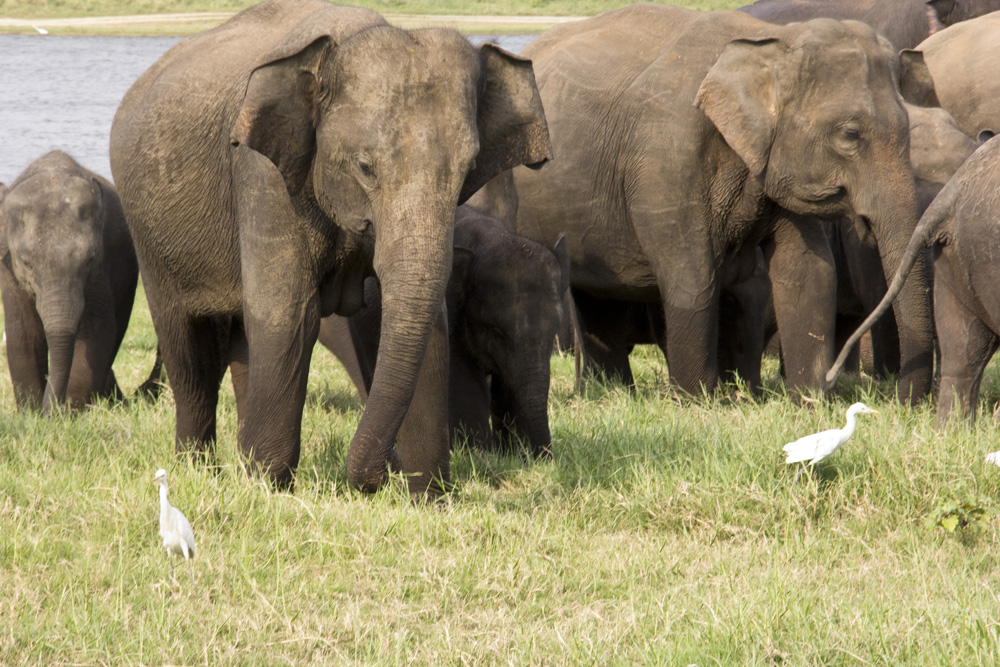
(926, 232)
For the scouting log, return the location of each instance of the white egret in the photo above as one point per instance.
(994, 458)
(41, 31)
(818, 446)
(174, 527)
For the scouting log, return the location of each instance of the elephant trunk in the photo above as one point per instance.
(531, 400)
(413, 262)
(913, 308)
(61, 344)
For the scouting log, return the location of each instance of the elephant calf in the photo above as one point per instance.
(68, 280)
(505, 307)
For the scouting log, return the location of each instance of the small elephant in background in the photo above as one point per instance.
(68, 276)
(505, 307)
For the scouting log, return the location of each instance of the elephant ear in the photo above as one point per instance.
(510, 118)
(916, 85)
(739, 95)
(277, 117)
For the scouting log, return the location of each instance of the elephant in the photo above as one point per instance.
(961, 61)
(686, 139)
(962, 231)
(267, 167)
(68, 276)
(937, 149)
(505, 307)
(905, 23)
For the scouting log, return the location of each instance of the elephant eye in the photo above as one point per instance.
(367, 169)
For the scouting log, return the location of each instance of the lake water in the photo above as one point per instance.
(62, 92)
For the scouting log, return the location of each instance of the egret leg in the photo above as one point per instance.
(190, 574)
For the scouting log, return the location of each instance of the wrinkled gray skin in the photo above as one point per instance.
(937, 149)
(963, 61)
(504, 309)
(669, 195)
(905, 23)
(267, 167)
(68, 275)
(963, 232)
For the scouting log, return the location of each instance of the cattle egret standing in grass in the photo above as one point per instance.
(174, 527)
(818, 446)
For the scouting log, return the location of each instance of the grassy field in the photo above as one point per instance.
(665, 532)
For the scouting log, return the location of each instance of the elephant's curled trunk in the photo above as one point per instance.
(413, 262)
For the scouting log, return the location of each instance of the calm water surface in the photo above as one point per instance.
(62, 92)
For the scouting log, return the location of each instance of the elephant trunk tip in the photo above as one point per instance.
(369, 478)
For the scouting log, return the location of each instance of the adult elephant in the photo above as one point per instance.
(905, 23)
(685, 139)
(68, 275)
(961, 229)
(963, 61)
(267, 167)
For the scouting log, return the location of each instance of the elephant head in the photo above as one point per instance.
(385, 132)
(820, 142)
(53, 226)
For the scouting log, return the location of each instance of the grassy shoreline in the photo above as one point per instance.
(159, 16)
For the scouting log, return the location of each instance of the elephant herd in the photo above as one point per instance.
(436, 214)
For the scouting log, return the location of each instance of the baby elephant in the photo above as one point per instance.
(505, 306)
(68, 276)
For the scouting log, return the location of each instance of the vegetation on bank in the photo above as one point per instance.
(665, 531)
(72, 8)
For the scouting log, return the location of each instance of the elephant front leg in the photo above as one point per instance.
(281, 337)
(804, 285)
(27, 352)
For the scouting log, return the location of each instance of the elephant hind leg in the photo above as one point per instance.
(967, 345)
(194, 354)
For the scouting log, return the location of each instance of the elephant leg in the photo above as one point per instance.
(335, 335)
(804, 285)
(469, 402)
(604, 324)
(844, 328)
(91, 376)
(967, 345)
(423, 441)
(27, 352)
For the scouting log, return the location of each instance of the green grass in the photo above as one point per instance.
(664, 532)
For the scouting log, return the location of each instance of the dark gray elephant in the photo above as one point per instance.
(905, 23)
(267, 167)
(684, 140)
(961, 227)
(504, 310)
(963, 61)
(68, 275)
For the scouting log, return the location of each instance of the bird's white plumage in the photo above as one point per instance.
(175, 529)
(818, 446)
(994, 458)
